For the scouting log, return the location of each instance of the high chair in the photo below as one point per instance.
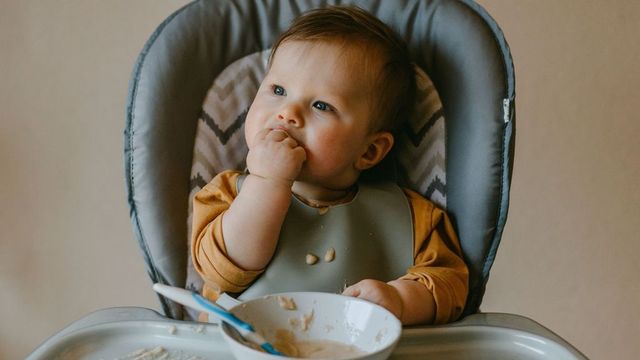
(468, 139)
(457, 44)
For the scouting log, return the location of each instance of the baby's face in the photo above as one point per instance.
(321, 94)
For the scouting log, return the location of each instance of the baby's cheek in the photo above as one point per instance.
(327, 154)
(250, 131)
(254, 122)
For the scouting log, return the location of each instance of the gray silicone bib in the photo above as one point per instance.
(372, 237)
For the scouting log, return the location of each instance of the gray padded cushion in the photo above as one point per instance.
(454, 41)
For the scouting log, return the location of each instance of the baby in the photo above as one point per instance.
(338, 86)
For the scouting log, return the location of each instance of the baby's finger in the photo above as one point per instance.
(353, 290)
(277, 135)
(290, 142)
(301, 152)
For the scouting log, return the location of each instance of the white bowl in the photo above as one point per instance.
(372, 329)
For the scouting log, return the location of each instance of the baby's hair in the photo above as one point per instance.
(396, 83)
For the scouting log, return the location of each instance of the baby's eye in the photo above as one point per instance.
(279, 90)
(322, 106)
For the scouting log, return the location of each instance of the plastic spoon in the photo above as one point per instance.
(197, 302)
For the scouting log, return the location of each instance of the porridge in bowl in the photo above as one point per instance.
(314, 325)
(287, 344)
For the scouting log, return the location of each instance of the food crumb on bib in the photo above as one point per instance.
(330, 255)
(311, 259)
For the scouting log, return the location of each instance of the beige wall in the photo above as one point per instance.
(569, 253)
(66, 245)
(569, 249)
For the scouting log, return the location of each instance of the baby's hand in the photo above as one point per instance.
(377, 292)
(275, 155)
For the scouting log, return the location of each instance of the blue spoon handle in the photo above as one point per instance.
(196, 301)
(223, 314)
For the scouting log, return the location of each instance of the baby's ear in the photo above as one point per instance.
(378, 147)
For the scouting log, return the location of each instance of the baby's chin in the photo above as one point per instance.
(332, 184)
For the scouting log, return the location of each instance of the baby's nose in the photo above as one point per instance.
(291, 115)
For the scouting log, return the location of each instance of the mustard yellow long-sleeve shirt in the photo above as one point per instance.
(438, 262)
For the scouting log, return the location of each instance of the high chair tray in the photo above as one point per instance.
(124, 333)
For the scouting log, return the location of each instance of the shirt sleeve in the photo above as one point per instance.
(209, 257)
(438, 261)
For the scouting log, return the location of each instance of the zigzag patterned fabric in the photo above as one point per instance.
(421, 149)
(220, 144)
